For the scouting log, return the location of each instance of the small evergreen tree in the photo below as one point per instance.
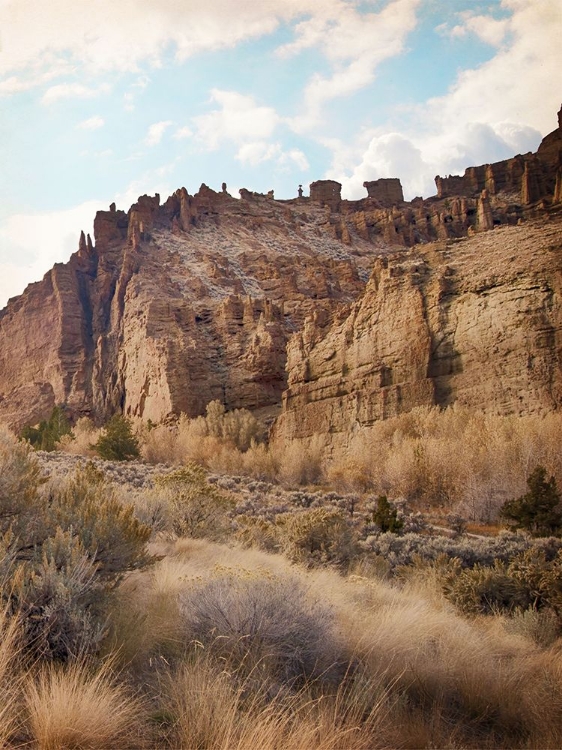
(538, 510)
(385, 516)
(118, 442)
(49, 432)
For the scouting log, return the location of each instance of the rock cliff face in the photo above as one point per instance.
(476, 321)
(208, 297)
(175, 305)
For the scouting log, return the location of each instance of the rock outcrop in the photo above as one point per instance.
(206, 297)
(174, 305)
(476, 321)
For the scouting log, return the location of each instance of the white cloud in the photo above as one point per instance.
(355, 44)
(108, 35)
(296, 156)
(14, 85)
(491, 112)
(387, 155)
(516, 85)
(182, 133)
(238, 119)
(71, 91)
(487, 28)
(32, 243)
(156, 131)
(258, 152)
(92, 123)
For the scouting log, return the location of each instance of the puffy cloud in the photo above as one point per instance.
(516, 85)
(490, 113)
(92, 123)
(238, 119)
(156, 131)
(388, 155)
(257, 152)
(182, 133)
(71, 91)
(488, 29)
(355, 44)
(108, 35)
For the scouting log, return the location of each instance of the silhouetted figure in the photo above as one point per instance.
(224, 187)
(300, 191)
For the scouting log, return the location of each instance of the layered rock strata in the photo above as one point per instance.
(178, 303)
(175, 305)
(476, 321)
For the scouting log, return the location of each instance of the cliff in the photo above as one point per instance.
(354, 310)
(476, 321)
(175, 305)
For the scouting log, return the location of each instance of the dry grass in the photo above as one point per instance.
(411, 672)
(80, 441)
(10, 678)
(77, 708)
(212, 709)
(203, 633)
(457, 457)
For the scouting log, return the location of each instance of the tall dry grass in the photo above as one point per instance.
(81, 440)
(210, 708)
(455, 458)
(11, 676)
(76, 707)
(431, 677)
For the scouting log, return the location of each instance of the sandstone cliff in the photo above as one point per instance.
(476, 321)
(174, 305)
(208, 297)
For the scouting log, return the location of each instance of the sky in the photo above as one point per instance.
(106, 100)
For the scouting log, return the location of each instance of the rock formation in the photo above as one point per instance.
(174, 305)
(476, 321)
(206, 296)
(387, 191)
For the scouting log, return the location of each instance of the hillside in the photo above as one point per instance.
(209, 297)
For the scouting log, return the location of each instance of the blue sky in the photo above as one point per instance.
(103, 101)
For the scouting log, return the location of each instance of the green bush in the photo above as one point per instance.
(57, 595)
(529, 581)
(50, 431)
(385, 516)
(117, 443)
(316, 536)
(63, 549)
(485, 590)
(539, 510)
(20, 478)
(108, 530)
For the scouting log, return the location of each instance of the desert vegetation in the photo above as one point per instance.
(460, 460)
(220, 594)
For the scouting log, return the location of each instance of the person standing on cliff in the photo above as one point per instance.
(300, 191)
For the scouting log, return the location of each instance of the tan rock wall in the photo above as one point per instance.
(477, 321)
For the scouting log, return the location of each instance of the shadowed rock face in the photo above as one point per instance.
(207, 297)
